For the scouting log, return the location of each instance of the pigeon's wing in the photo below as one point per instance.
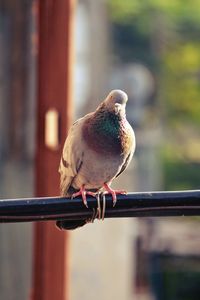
(72, 157)
(70, 164)
(125, 164)
(129, 156)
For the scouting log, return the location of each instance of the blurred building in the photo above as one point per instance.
(17, 119)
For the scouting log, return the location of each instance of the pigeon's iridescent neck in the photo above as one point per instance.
(104, 132)
(108, 125)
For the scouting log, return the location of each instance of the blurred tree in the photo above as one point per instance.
(164, 35)
(134, 27)
(181, 66)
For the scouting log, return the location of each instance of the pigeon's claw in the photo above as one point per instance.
(83, 193)
(101, 210)
(114, 193)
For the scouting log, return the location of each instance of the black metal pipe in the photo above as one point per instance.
(151, 204)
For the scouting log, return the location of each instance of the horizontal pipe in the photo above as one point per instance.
(151, 204)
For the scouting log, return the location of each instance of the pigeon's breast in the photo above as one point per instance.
(107, 135)
(97, 169)
(106, 149)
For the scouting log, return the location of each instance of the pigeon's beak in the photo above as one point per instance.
(119, 108)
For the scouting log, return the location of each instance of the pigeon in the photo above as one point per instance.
(98, 148)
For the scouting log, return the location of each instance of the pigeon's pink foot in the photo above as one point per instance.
(114, 193)
(83, 193)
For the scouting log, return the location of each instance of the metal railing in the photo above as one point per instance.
(151, 204)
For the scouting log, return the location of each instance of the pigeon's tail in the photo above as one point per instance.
(70, 224)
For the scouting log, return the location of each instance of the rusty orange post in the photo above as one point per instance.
(55, 19)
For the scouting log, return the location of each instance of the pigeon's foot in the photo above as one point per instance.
(114, 193)
(83, 193)
(104, 207)
(101, 210)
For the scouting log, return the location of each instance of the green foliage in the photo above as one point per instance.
(178, 11)
(181, 89)
(137, 35)
(164, 35)
(180, 175)
(131, 44)
(179, 172)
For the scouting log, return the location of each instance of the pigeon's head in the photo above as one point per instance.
(116, 101)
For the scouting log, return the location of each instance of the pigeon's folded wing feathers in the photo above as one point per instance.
(70, 165)
(126, 163)
(71, 159)
(129, 156)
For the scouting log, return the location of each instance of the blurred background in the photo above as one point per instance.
(151, 50)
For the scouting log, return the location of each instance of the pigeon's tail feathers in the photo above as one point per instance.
(65, 184)
(70, 225)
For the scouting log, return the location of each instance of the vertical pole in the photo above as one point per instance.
(50, 280)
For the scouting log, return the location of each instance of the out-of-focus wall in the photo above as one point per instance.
(17, 126)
